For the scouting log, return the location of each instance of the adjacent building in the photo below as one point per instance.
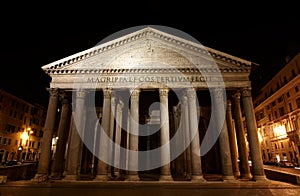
(21, 128)
(277, 111)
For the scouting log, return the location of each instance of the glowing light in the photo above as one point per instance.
(280, 131)
(260, 139)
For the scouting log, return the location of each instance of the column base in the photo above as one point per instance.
(196, 178)
(260, 178)
(165, 178)
(245, 177)
(70, 177)
(228, 178)
(133, 177)
(237, 174)
(40, 178)
(101, 178)
(56, 176)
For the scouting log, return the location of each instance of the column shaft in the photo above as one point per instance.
(102, 168)
(63, 133)
(44, 162)
(133, 162)
(255, 151)
(219, 103)
(76, 144)
(240, 134)
(165, 173)
(117, 158)
(111, 157)
(194, 135)
(232, 141)
(185, 120)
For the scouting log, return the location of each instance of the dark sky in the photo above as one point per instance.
(34, 38)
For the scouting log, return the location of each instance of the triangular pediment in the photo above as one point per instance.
(148, 48)
(149, 55)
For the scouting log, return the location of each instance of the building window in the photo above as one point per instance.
(288, 94)
(296, 89)
(279, 99)
(270, 117)
(9, 142)
(291, 107)
(281, 144)
(10, 113)
(278, 86)
(293, 73)
(281, 111)
(298, 102)
(32, 144)
(273, 103)
(284, 80)
(275, 114)
(16, 142)
(275, 146)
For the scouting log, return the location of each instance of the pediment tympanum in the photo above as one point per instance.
(151, 56)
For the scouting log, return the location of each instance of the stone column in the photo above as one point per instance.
(133, 159)
(185, 120)
(76, 144)
(194, 135)
(218, 99)
(232, 141)
(44, 162)
(240, 135)
(255, 151)
(118, 135)
(102, 168)
(111, 169)
(63, 133)
(165, 173)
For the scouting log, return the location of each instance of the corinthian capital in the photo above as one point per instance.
(163, 92)
(81, 94)
(246, 92)
(107, 93)
(219, 92)
(53, 92)
(135, 92)
(191, 93)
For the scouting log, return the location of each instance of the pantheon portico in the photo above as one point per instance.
(150, 105)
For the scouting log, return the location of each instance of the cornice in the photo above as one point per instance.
(147, 33)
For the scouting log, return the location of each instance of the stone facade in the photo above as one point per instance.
(157, 97)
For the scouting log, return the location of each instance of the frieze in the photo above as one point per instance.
(156, 79)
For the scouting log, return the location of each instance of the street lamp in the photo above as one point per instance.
(25, 136)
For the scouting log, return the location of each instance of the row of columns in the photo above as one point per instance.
(227, 139)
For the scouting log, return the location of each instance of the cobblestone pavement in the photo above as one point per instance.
(85, 188)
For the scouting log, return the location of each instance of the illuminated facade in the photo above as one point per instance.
(21, 126)
(277, 111)
(163, 76)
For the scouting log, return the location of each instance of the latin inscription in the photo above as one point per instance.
(158, 79)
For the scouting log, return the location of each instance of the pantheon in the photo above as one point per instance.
(150, 105)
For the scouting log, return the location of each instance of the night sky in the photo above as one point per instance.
(33, 39)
